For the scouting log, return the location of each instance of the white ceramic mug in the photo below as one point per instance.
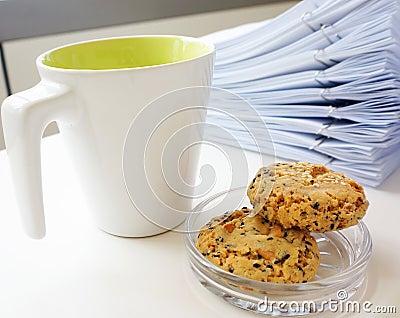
(94, 90)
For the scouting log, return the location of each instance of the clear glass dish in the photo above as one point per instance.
(340, 280)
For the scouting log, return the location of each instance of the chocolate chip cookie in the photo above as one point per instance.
(308, 196)
(254, 247)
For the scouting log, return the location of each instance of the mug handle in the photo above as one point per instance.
(25, 115)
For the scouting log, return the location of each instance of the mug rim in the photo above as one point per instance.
(40, 65)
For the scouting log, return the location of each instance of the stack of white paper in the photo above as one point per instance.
(324, 77)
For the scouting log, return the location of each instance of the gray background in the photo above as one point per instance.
(27, 18)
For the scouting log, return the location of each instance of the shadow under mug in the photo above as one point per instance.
(118, 103)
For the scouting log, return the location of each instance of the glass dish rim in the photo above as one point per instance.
(349, 272)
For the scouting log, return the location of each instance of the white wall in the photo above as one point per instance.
(21, 54)
(3, 94)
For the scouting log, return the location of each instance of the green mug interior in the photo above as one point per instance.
(130, 52)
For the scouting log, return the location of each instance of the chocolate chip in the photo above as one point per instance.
(256, 265)
(230, 269)
(316, 205)
(270, 239)
(265, 219)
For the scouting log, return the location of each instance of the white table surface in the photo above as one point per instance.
(79, 271)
